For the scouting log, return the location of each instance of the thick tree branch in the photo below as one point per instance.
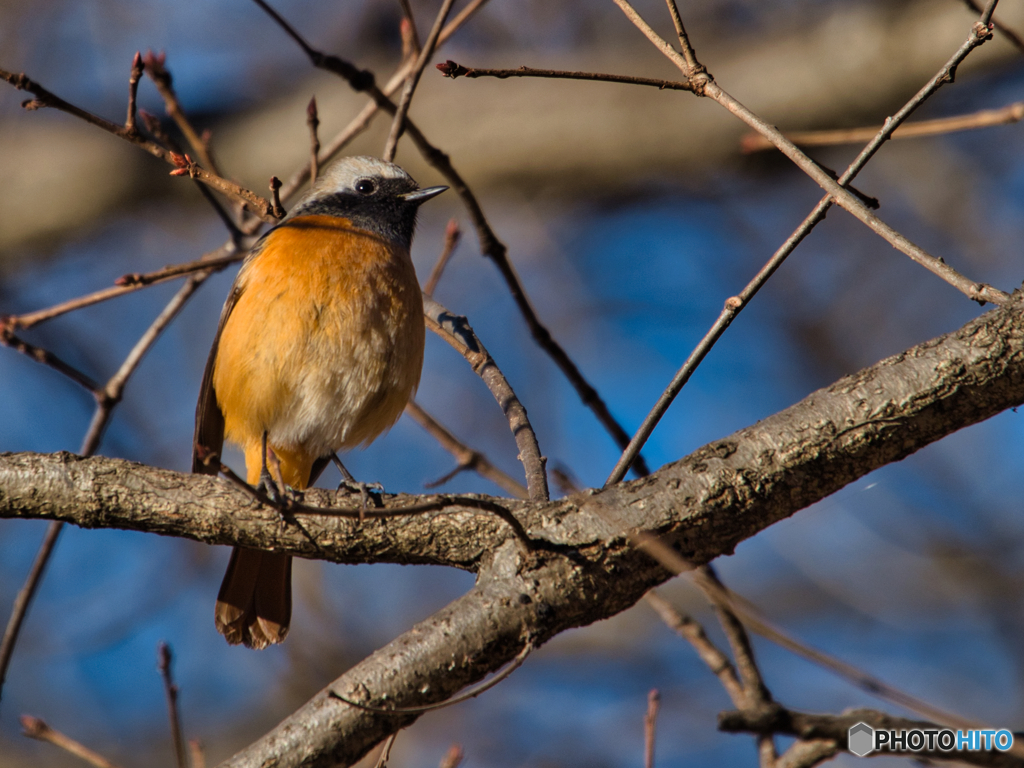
(557, 564)
(725, 491)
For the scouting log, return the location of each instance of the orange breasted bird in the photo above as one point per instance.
(319, 347)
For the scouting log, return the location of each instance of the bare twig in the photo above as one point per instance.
(112, 392)
(214, 260)
(754, 690)
(691, 630)
(807, 753)
(211, 261)
(275, 191)
(410, 37)
(735, 304)
(35, 728)
(133, 90)
(467, 458)
(706, 86)
(184, 166)
(650, 724)
(453, 70)
(407, 31)
(457, 332)
(313, 121)
(986, 118)
(398, 122)
(161, 77)
(452, 235)
(24, 598)
(753, 619)
(496, 250)
(362, 120)
(163, 653)
(1008, 33)
(986, 14)
(689, 55)
(748, 694)
(45, 357)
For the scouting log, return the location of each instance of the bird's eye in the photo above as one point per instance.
(365, 187)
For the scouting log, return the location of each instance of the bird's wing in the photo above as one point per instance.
(209, 420)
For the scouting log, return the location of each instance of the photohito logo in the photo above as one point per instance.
(862, 740)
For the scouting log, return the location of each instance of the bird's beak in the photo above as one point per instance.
(422, 195)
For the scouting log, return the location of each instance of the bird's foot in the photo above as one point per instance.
(366, 491)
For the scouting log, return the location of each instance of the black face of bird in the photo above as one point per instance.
(375, 196)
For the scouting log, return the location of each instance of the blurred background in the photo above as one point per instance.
(630, 215)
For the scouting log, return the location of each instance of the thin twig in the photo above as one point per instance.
(112, 392)
(184, 166)
(452, 235)
(214, 260)
(691, 630)
(133, 91)
(45, 357)
(407, 31)
(163, 653)
(410, 37)
(706, 86)
(360, 122)
(986, 118)
(735, 304)
(210, 261)
(650, 725)
(694, 67)
(807, 753)
(754, 689)
(467, 458)
(24, 598)
(398, 122)
(457, 332)
(453, 70)
(496, 250)
(275, 191)
(313, 121)
(157, 71)
(986, 15)
(1008, 33)
(35, 728)
(755, 621)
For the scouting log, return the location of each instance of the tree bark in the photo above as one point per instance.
(544, 567)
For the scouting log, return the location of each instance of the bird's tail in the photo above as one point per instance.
(254, 605)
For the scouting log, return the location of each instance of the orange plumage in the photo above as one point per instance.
(319, 348)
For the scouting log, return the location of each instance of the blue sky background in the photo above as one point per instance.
(912, 573)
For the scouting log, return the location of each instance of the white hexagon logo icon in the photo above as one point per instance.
(860, 739)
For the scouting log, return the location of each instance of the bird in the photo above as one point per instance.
(318, 349)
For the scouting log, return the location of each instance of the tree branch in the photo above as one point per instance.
(560, 564)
